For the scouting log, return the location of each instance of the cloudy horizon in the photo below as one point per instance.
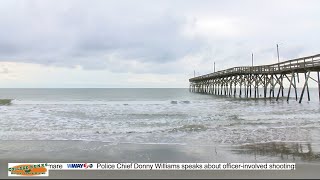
(141, 43)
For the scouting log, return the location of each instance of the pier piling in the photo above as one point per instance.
(242, 81)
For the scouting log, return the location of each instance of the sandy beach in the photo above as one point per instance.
(83, 151)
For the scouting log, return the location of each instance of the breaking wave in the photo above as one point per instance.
(190, 128)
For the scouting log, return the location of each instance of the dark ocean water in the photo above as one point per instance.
(161, 116)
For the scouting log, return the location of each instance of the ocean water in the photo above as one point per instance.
(162, 116)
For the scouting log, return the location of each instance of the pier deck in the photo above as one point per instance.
(269, 77)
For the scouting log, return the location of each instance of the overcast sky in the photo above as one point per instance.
(146, 43)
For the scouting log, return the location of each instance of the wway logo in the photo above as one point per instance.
(80, 166)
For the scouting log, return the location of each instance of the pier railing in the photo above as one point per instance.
(294, 65)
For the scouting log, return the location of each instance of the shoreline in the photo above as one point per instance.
(83, 151)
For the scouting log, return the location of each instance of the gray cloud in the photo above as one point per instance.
(82, 33)
(121, 35)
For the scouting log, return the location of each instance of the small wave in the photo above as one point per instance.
(154, 115)
(86, 102)
(235, 117)
(185, 102)
(241, 123)
(180, 102)
(124, 132)
(190, 128)
(174, 102)
(5, 102)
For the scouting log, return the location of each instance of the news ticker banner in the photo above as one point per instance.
(42, 169)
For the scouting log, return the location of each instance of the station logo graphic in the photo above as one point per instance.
(80, 166)
(32, 169)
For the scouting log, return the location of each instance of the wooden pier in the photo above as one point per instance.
(245, 81)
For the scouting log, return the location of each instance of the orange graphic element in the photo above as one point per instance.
(29, 169)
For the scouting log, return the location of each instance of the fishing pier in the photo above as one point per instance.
(245, 81)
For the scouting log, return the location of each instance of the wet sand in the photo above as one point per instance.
(84, 151)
